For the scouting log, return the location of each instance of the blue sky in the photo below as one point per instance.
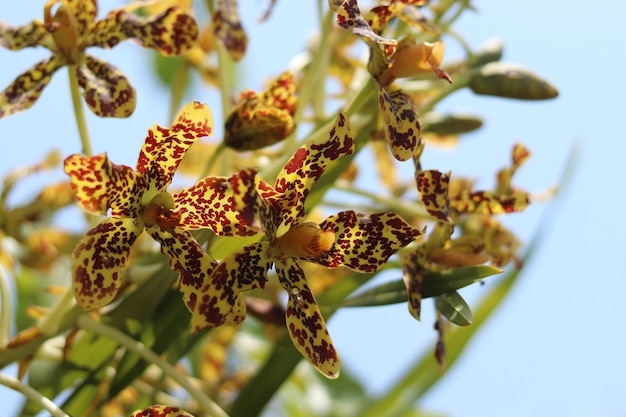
(556, 346)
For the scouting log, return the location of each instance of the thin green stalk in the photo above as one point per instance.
(208, 167)
(79, 112)
(33, 395)
(178, 88)
(87, 323)
(458, 84)
(402, 207)
(50, 324)
(5, 308)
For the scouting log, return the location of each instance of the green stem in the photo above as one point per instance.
(219, 151)
(79, 112)
(87, 323)
(5, 308)
(50, 324)
(33, 395)
(458, 84)
(178, 88)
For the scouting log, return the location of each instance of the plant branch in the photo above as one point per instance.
(79, 112)
(32, 394)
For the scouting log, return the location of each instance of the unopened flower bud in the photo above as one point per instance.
(512, 81)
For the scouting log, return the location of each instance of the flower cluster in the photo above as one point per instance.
(240, 205)
(72, 29)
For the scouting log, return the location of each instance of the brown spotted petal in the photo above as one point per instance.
(161, 411)
(305, 322)
(99, 259)
(349, 17)
(432, 186)
(259, 204)
(364, 242)
(220, 300)
(487, 202)
(85, 13)
(309, 162)
(170, 32)
(100, 185)
(187, 258)
(106, 89)
(210, 204)
(25, 90)
(228, 28)
(19, 37)
(413, 272)
(401, 125)
(164, 148)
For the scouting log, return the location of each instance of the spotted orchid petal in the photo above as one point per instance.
(19, 37)
(187, 258)
(379, 16)
(308, 163)
(160, 411)
(413, 274)
(170, 32)
(400, 120)
(164, 148)
(432, 186)
(258, 203)
(364, 242)
(305, 322)
(264, 119)
(210, 204)
(100, 185)
(220, 300)
(349, 17)
(25, 90)
(487, 202)
(99, 259)
(228, 28)
(106, 89)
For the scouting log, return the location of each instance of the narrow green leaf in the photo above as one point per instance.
(435, 283)
(454, 308)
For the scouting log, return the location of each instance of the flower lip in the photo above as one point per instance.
(160, 212)
(304, 240)
(64, 30)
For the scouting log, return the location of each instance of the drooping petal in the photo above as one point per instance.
(19, 37)
(349, 17)
(413, 273)
(99, 260)
(164, 148)
(257, 202)
(364, 242)
(170, 32)
(308, 163)
(281, 93)
(24, 91)
(401, 125)
(160, 411)
(106, 89)
(210, 204)
(100, 185)
(228, 28)
(187, 258)
(305, 322)
(432, 186)
(220, 300)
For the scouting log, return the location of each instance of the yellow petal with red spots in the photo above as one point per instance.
(19, 37)
(413, 274)
(164, 148)
(309, 162)
(305, 323)
(432, 186)
(400, 121)
(100, 185)
(161, 411)
(99, 259)
(106, 89)
(364, 242)
(228, 28)
(487, 202)
(220, 300)
(170, 32)
(349, 17)
(186, 257)
(210, 204)
(84, 12)
(24, 91)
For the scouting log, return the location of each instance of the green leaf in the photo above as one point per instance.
(453, 307)
(435, 283)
